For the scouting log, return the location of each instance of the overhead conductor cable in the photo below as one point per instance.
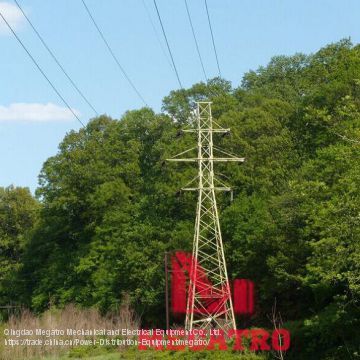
(41, 71)
(156, 34)
(196, 43)
(167, 44)
(56, 59)
(113, 54)
(212, 37)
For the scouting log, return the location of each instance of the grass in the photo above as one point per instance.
(162, 355)
(71, 317)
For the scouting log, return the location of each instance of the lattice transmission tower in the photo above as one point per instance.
(209, 302)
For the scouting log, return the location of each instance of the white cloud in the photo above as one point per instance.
(33, 112)
(13, 16)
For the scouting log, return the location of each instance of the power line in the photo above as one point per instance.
(113, 54)
(196, 43)
(343, 137)
(167, 44)
(55, 59)
(212, 37)
(156, 34)
(39, 68)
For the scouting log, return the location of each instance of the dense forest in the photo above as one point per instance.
(107, 207)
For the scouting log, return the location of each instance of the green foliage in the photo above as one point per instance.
(18, 215)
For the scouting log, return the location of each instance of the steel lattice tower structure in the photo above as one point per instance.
(209, 302)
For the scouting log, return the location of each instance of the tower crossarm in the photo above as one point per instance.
(216, 188)
(229, 159)
(223, 131)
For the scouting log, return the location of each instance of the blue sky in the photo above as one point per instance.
(248, 33)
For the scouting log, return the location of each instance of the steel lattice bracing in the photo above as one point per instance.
(209, 303)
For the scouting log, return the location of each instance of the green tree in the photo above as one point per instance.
(18, 215)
